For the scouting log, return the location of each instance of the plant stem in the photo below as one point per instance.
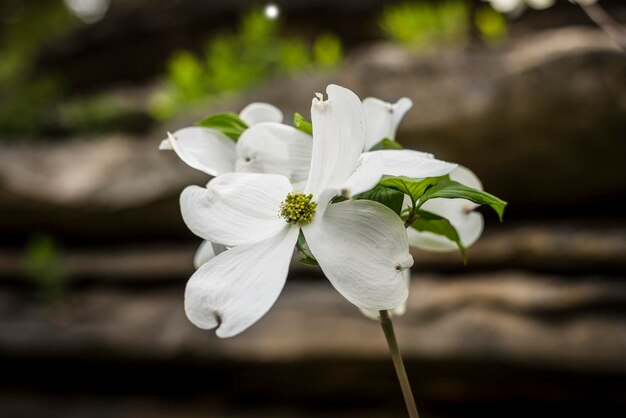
(398, 364)
(604, 20)
(412, 218)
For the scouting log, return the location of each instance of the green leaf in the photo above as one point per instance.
(301, 123)
(230, 124)
(389, 197)
(386, 144)
(415, 188)
(307, 256)
(309, 261)
(429, 222)
(448, 189)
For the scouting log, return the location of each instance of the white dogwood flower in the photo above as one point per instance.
(268, 146)
(360, 245)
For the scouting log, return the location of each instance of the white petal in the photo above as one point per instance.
(467, 177)
(324, 200)
(275, 148)
(236, 288)
(540, 4)
(413, 164)
(397, 311)
(362, 249)
(338, 139)
(204, 149)
(469, 232)
(383, 118)
(205, 252)
(460, 212)
(235, 208)
(506, 6)
(260, 112)
(408, 163)
(166, 144)
(365, 177)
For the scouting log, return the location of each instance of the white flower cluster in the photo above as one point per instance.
(277, 188)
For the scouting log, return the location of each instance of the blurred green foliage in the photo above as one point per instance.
(25, 105)
(327, 50)
(27, 25)
(491, 25)
(254, 53)
(26, 97)
(34, 104)
(423, 27)
(105, 112)
(42, 266)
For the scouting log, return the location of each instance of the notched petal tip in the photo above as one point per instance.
(218, 318)
(318, 102)
(166, 145)
(404, 263)
(200, 315)
(237, 287)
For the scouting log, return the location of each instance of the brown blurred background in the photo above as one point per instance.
(94, 255)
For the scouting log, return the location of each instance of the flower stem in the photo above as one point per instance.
(398, 364)
(412, 218)
(604, 20)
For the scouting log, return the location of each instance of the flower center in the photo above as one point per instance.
(298, 208)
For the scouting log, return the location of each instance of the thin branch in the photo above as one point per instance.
(606, 22)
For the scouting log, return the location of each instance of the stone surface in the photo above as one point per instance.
(534, 326)
(549, 248)
(568, 247)
(507, 316)
(108, 173)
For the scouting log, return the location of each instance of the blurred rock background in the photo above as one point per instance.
(94, 256)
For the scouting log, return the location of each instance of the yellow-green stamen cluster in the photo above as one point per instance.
(298, 208)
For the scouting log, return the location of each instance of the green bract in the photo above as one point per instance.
(301, 123)
(386, 143)
(230, 124)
